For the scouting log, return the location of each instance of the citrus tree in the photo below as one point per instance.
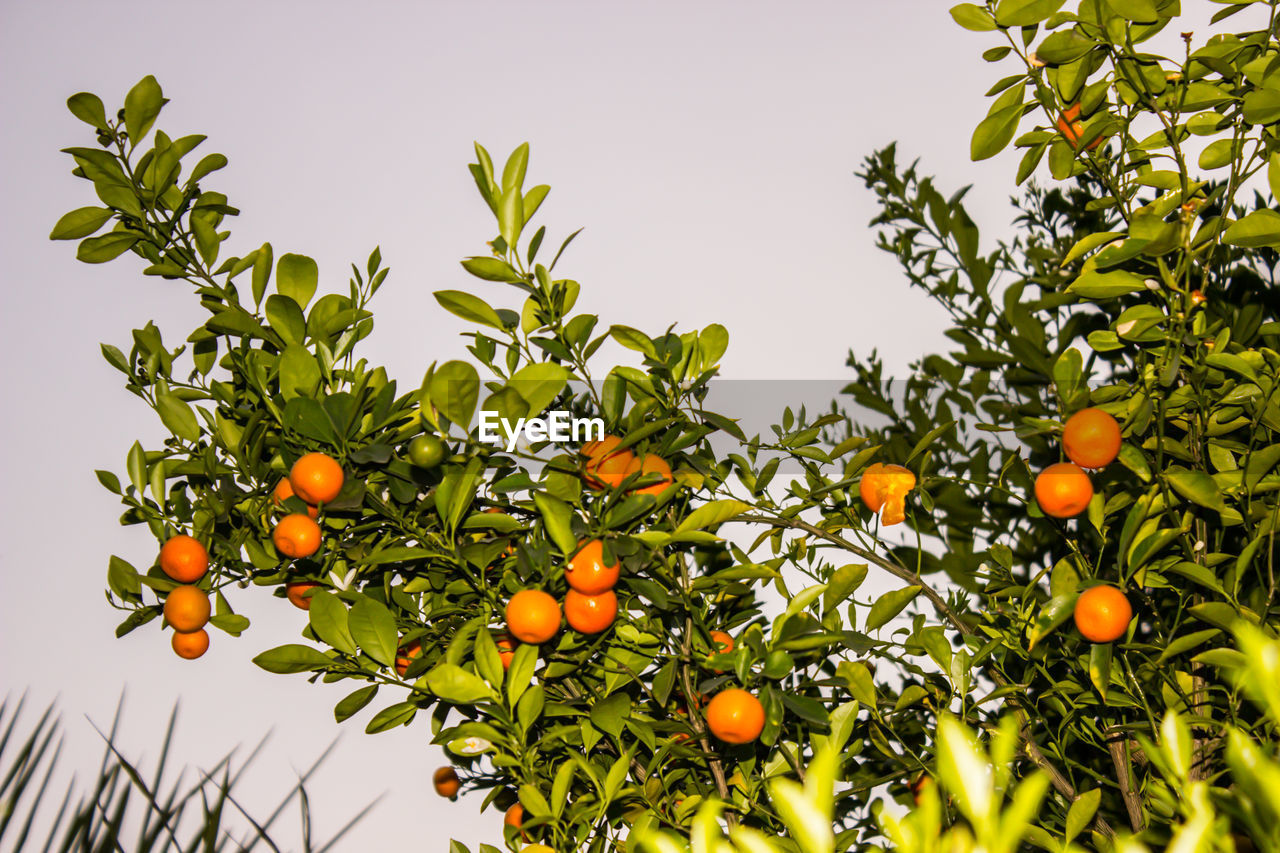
(568, 618)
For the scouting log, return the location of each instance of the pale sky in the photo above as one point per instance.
(708, 148)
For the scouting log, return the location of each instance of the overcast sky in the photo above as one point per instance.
(708, 148)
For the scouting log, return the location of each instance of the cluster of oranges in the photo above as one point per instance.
(316, 479)
(1090, 439)
(186, 607)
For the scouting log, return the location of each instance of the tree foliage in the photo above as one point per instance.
(1138, 282)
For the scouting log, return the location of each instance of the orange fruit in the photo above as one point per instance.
(1072, 128)
(884, 489)
(721, 643)
(918, 786)
(590, 614)
(506, 649)
(514, 816)
(184, 558)
(192, 644)
(648, 464)
(446, 782)
(297, 591)
(1063, 490)
(283, 491)
(296, 536)
(1102, 614)
(537, 848)
(735, 716)
(587, 572)
(405, 655)
(533, 616)
(316, 478)
(186, 608)
(1091, 438)
(606, 466)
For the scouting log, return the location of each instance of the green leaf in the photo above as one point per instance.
(890, 605)
(1105, 285)
(373, 627)
(81, 222)
(994, 133)
(491, 269)
(297, 277)
(557, 518)
(973, 17)
(454, 684)
(1100, 667)
(1052, 615)
(1085, 805)
(354, 702)
(809, 823)
(511, 215)
(141, 106)
(399, 714)
(299, 373)
(292, 658)
(1025, 13)
(98, 250)
(122, 577)
(468, 307)
(1196, 486)
(285, 317)
(176, 414)
(328, 618)
(1257, 230)
(454, 390)
(1064, 46)
(963, 770)
(634, 339)
(1139, 11)
(88, 107)
(539, 384)
(927, 440)
(713, 513)
(607, 714)
(1185, 643)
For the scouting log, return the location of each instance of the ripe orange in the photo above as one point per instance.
(514, 816)
(296, 536)
(506, 649)
(297, 591)
(587, 572)
(537, 848)
(735, 716)
(721, 643)
(446, 782)
(184, 558)
(405, 655)
(606, 466)
(1063, 490)
(650, 463)
(918, 786)
(283, 491)
(1091, 438)
(186, 608)
(316, 478)
(192, 644)
(1102, 614)
(590, 614)
(884, 489)
(533, 616)
(1072, 128)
